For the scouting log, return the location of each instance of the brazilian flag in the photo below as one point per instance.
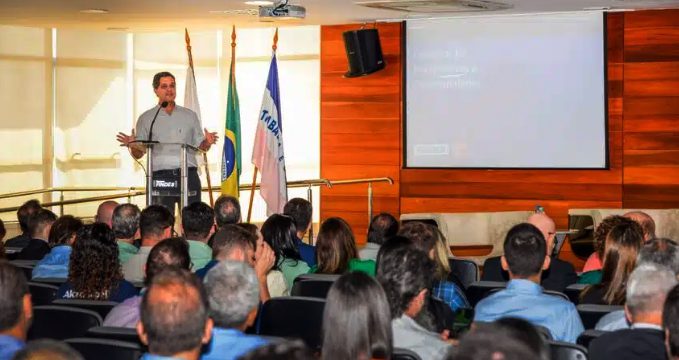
(231, 156)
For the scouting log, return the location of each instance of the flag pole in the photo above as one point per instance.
(274, 47)
(207, 170)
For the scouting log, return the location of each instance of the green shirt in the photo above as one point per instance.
(200, 254)
(365, 266)
(291, 269)
(125, 251)
(590, 277)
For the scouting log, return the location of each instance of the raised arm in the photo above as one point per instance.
(136, 150)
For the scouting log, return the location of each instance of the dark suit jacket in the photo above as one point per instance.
(629, 344)
(19, 241)
(35, 250)
(559, 275)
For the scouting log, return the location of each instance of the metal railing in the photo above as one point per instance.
(133, 191)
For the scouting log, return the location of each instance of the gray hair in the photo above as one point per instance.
(233, 291)
(125, 221)
(663, 252)
(647, 288)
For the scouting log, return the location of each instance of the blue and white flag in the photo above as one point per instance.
(268, 155)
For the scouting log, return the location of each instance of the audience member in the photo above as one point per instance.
(525, 257)
(366, 334)
(670, 323)
(279, 232)
(174, 316)
(198, 223)
(26, 210)
(382, 227)
(301, 213)
(557, 277)
(646, 293)
(594, 262)
(233, 296)
(155, 224)
(425, 237)
(47, 349)
(172, 252)
(526, 333)
(227, 211)
(61, 239)
(281, 351)
(492, 342)
(336, 250)
(3, 231)
(620, 257)
(405, 275)
(645, 221)
(94, 271)
(125, 224)
(105, 212)
(15, 310)
(39, 226)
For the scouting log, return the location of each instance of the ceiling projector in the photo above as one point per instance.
(281, 10)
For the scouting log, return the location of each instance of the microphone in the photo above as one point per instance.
(162, 106)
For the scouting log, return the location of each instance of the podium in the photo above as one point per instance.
(160, 186)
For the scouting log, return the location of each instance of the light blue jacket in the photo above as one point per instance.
(54, 264)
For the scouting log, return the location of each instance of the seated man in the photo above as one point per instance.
(382, 227)
(155, 225)
(198, 222)
(26, 210)
(405, 274)
(227, 211)
(560, 273)
(233, 294)
(525, 257)
(39, 226)
(647, 290)
(15, 310)
(174, 319)
(105, 213)
(125, 225)
(301, 213)
(172, 252)
(670, 323)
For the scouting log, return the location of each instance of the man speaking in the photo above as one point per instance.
(168, 122)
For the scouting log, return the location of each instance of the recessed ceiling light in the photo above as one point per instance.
(94, 11)
(259, 3)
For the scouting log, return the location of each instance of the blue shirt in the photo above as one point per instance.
(524, 299)
(9, 345)
(227, 344)
(54, 264)
(202, 272)
(148, 356)
(450, 294)
(306, 252)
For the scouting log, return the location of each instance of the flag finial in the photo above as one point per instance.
(233, 36)
(275, 40)
(188, 46)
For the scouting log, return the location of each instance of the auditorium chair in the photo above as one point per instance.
(114, 333)
(313, 285)
(404, 354)
(480, 289)
(61, 322)
(293, 317)
(590, 313)
(53, 281)
(100, 307)
(566, 351)
(105, 349)
(587, 336)
(573, 292)
(544, 332)
(464, 271)
(42, 294)
(26, 266)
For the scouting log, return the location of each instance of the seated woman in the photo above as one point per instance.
(280, 233)
(275, 281)
(591, 272)
(94, 272)
(60, 239)
(336, 250)
(620, 256)
(428, 239)
(367, 333)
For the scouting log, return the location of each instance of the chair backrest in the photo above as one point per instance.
(313, 285)
(557, 294)
(587, 336)
(590, 314)
(53, 281)
(544, 332)
(466, 271)
(26, 266)
(293, 317)
(42, 294)
(480, 289)
(105, 349)
(100, 307)
(114, 333)
(61, 322)
(566, 351)
(404, 354)
(573, 292)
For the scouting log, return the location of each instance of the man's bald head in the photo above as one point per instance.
(546, 226)
(646, 222)
(105, 212)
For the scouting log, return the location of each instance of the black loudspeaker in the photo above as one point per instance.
(363, 51)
